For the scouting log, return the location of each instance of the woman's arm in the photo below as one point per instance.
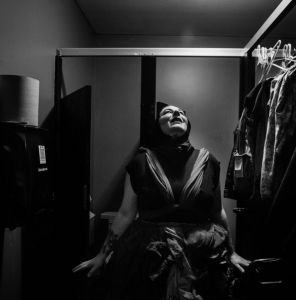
(218, 215)
(125, 216)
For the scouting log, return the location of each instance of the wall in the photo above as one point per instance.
(207, 88)
(116, 117)
(155, 41)
(30, 33)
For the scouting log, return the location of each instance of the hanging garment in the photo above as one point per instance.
(257, 117)
(253, 130)
(240, 173)
(256, 241)
(282, 212)
(279, 144)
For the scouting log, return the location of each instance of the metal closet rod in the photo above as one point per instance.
(194, 52)
(218, 52)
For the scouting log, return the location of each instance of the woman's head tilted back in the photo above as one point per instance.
(173, 121)
(171, 126)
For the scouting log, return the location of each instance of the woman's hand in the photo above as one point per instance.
(238, 261)
(94, 265)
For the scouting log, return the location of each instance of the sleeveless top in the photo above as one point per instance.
(153, 206)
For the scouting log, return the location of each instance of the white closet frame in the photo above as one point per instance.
(279, 13)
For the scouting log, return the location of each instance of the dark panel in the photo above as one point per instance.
(247, 78)
(148, 87)
(247, 83)
(71, 200)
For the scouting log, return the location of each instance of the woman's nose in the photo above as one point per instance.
(176, 113)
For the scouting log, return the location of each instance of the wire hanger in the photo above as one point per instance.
(287, 58)
(287, 51)
(267, 57)
(262, 61)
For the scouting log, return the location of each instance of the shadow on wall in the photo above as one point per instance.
(26, 252)
(2, 231)
(38, 258)
(27, 260)
(112, 196)
(48, 122)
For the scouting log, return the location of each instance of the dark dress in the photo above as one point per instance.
(173, 250)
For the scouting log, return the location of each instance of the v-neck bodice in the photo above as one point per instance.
(191, 187)
(176, 173)
(152, 204)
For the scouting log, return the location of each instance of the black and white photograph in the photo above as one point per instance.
(147, 149)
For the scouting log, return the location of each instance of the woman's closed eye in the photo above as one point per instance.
(168, 111)
(171, 112)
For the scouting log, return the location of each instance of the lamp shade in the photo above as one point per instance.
(19, 99)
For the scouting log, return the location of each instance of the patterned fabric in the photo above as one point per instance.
(258, 112)
(164, 261)
(269, 151)
(280, 130)
(183, 275)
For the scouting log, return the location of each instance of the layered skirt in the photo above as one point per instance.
(161, 261)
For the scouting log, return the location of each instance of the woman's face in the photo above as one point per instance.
(173, 121)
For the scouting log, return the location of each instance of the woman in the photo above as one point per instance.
(179, 248)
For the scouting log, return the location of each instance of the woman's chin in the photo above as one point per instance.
(177, 132)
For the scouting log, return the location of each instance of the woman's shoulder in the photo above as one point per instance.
(213, 164)
(139, 158)
(212, 159)
(212, 170)
(136, 163)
